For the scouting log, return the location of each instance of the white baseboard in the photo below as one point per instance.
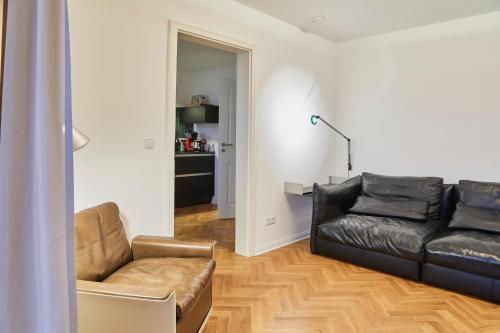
(261, 249)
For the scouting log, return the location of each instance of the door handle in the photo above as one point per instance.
(226, 144)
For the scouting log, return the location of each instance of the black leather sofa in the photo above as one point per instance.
(400, 225)
(466, 257)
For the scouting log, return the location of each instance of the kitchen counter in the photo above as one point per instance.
(194, 153)
(194, 178)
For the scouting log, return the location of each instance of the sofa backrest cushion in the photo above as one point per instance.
(483, 219)
(479, 194)
(478, 207)
(101, 244)
(410, 209)
(428, 189)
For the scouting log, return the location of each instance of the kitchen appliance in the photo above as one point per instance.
(192, 135)
(199, 114)
(199, 100)
(196, 145)
(203, 145)
(187, 144)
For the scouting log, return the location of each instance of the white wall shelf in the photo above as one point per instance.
(306, 189)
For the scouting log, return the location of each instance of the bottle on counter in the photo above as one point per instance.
(203, 145)
(181, 146)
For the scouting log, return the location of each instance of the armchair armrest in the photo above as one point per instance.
(106, 307)
(121, 290)
(332, 201)
(154, 246)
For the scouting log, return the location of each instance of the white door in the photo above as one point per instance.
(227, 150)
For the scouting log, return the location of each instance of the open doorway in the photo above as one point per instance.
(205, 144)
(210, 110)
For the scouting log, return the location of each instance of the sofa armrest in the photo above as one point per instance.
(106, 307)
(154, 247)
(332, 201)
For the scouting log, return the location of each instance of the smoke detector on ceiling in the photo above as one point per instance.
(314, 20)
(318, 19)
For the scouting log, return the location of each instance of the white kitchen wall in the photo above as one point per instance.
(423, 101)
(205, 82)
(119, 54)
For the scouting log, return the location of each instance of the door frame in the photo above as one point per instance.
(245, 209)
(224, 208)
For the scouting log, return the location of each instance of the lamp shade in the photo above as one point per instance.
(314, 119)
(79, 139)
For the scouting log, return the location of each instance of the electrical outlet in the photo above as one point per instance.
(271, 220)
(149, 143)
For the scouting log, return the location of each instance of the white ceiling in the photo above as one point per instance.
(197, 57)
(350, 19)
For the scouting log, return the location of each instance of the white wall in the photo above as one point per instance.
(184, 87)
(119, 93)
(423, 101)
(205, 82)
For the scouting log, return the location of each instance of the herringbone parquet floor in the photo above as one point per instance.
(289, 290)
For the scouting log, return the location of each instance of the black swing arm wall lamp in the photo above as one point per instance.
(314, 121)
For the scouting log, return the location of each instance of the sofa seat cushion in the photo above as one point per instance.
(395, 236)
(187, 276)
(468, 251)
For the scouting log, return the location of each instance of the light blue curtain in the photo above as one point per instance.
(37, 283)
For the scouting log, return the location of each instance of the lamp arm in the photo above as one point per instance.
(333, 128)
(349, 164)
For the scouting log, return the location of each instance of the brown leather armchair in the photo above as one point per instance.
(159, 284)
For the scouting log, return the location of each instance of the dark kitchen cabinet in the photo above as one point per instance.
(199, 114)
(194, 178)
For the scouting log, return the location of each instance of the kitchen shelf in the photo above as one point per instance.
(199, 114)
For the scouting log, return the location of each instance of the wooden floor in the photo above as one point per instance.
(290, 290)
(201, 222)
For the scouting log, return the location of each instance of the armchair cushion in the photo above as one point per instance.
(187, 276)
(101, 244)
(155, 246)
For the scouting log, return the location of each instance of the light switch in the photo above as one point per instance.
(149, 143)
